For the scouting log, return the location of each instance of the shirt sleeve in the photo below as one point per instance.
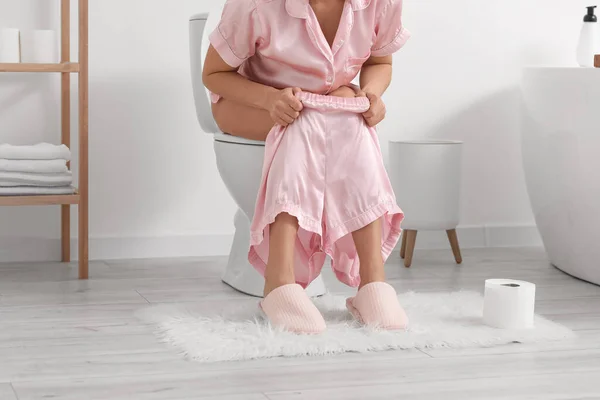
(238, 32)
(390, 34)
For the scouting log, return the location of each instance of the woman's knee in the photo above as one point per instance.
(286, 219)
(239, 120)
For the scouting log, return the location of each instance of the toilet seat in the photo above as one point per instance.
(227, 138)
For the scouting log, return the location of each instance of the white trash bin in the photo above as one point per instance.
(426, 177)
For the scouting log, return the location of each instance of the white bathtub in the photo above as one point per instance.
(561, 158)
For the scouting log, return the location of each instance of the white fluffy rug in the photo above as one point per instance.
(240, 333)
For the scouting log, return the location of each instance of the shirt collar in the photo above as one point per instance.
(299, 8)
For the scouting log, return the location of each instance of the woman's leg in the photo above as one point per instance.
(290, 308)
(240, 120)
(367, 241)
(282, 239)
(375, 305)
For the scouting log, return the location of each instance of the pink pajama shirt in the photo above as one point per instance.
(326, 170)
(279, 43)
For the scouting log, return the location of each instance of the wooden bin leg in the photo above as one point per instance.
(453, 238)
(83, 140)
(403, 245)
(65, 94)
(411, 238)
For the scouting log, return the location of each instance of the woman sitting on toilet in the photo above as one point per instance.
(268, 63)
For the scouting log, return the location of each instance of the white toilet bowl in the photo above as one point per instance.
(239, 162)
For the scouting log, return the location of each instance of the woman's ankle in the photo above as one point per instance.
(371, 274)
(272, 285)
(273, 281)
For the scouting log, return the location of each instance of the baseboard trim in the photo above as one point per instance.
(483, 236)
(34, 249)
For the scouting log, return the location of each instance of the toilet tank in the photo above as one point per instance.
(200, 27)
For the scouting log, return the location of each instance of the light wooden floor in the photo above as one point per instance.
(66, 339)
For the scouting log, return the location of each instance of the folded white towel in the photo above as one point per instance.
(40, 151)
(27, 179)
(32, 190)
(34, 166)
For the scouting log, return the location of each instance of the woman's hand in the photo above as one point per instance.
(283, 106)
(376, 113)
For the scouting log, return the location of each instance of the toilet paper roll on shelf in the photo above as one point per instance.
(39, 46)
(509, 304)
(10, 45)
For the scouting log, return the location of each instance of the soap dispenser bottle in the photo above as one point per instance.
(589, 39)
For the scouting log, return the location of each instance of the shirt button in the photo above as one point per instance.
(329, 80)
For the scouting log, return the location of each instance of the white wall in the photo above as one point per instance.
(154, 187)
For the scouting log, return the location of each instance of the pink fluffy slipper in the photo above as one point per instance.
(290, 308)
(376, 304)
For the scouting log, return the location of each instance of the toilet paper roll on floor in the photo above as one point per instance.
(509, 304)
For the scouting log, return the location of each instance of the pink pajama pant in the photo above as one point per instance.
(325, 169)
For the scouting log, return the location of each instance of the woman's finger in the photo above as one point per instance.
(376, 120)
(372, 98)
(291, 112)
(286, 118)
(296, 104)
(293, 100)
(293, 103)
(286, 112)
